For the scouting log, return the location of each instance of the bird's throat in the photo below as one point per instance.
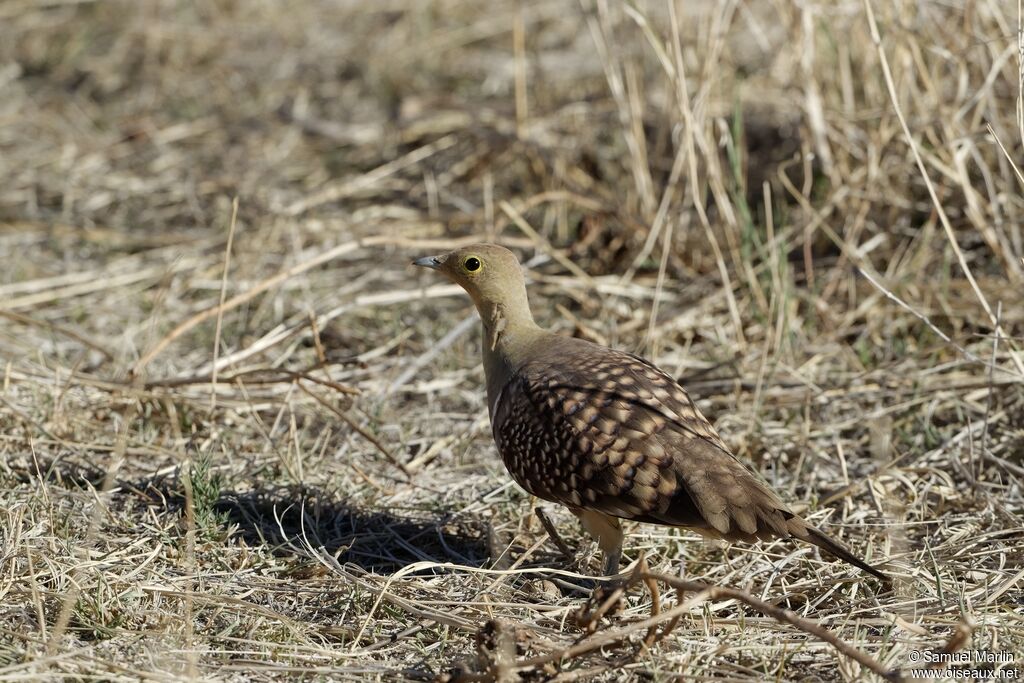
(506, 337)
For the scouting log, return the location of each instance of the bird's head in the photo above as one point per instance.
(490, 274)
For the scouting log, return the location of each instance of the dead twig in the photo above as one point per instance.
(358, 429)
(263, 286)
(277, 376)
(609, 600)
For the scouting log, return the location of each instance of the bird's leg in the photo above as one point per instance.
(554, 535)
(611, 561)
(607, 530)
(607, 596)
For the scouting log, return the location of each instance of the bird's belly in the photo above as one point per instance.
(537, 467)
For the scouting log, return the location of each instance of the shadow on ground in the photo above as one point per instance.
(378, 541)
(286, 519)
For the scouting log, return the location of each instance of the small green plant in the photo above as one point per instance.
(99, 613)
(206, 484)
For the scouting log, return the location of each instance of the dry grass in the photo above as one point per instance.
(302, 484)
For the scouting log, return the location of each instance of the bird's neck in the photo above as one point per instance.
(506, 324)
(505, 318)
(508, 332)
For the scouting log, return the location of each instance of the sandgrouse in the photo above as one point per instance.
(604, 432)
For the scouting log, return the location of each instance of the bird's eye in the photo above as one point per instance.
(472, 264)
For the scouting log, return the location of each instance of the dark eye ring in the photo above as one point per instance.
(472, 264)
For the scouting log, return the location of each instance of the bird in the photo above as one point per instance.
(606, 433)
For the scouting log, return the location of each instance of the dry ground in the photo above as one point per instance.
(301, 483)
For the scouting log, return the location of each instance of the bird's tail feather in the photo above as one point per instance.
(829, 544)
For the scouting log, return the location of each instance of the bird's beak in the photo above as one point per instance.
(428, 262)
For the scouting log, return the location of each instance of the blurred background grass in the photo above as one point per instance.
(706, 183)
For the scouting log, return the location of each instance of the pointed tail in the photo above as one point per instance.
(829, 544)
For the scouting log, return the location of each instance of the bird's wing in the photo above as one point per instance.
(606, 430)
